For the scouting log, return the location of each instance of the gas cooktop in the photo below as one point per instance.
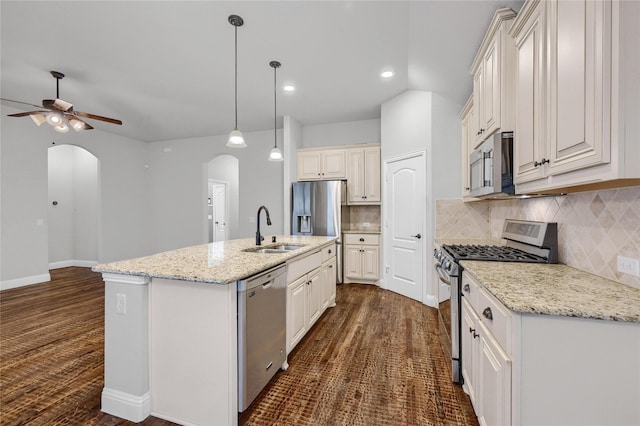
(496, 253)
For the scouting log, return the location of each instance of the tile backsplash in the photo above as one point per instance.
(358, 215)
(594, 228)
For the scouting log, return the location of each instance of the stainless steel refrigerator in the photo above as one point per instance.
(317, 210)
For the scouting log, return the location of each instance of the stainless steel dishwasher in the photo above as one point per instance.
(261, 331)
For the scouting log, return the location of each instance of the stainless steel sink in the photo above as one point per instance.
(280, 248)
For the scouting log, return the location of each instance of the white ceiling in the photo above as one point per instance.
(165, 68)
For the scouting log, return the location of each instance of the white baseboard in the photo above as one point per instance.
(67, 263)
(430, 300)
(126, 406)
(21, 282)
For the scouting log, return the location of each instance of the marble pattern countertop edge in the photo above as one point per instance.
(361, 231)
(556, 289)
(222, 262)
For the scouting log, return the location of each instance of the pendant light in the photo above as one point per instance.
(236, 140)
(276, 154)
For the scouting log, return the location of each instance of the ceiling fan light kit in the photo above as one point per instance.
(60, 114)
(276, 154)
(236, 139)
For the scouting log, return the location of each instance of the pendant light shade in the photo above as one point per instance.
(276, 154)
(236, 139)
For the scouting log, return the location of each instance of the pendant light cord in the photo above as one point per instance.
(236, 75)
(275, 115)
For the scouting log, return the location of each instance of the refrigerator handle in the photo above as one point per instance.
(338, 261)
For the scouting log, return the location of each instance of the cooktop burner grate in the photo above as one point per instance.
(497, 253)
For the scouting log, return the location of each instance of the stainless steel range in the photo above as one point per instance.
(526, 241)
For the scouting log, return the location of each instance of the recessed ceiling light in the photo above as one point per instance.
(386, 74)
(289, 88)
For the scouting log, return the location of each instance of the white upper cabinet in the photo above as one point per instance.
(493, 73)
(321, 164)
(575, 80)
(468, 142)
(363, 175)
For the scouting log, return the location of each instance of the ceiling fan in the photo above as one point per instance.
(59, 112)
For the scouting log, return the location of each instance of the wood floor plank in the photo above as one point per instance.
(373, 359)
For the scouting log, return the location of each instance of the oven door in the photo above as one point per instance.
(449, 314)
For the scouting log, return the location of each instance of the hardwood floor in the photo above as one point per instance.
(373, 359)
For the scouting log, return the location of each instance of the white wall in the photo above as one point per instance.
(292, 140)
(423, 121)
(124, 200)
(178, 170)
(346, 133)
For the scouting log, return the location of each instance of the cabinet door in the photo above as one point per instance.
(352, 261)
(493, 390)
(355, 176)
(370, 262)
(466, 148)
(491, 88)
(309, 165)
(477, 119)
(328, 283)
(579, 84)
(372, 175)
(469, 339)
(314, 297)
(529, 92)
(296, 311)
(333, 165)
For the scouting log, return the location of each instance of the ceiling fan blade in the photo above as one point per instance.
(23, 103)
(24, 114)
(58, 104)
(97, 117)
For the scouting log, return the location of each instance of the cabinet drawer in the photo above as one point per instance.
(298, 267)
(496, 318)
(362, 239)
(328, 252)
(470, 291)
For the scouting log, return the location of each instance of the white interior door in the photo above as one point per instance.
(219, 208)
(405, 206)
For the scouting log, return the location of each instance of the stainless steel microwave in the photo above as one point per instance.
(491, 167)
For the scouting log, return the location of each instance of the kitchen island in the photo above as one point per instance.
(171, 329)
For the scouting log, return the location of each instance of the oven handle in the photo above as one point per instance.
(443, 275)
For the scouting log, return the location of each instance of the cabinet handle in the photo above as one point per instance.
(362, 239)
(329, 251)
(487, 313)
(473, 332)
(330, 266)
(543, 162)
(466, 188)
(466, 288)
(418, 236)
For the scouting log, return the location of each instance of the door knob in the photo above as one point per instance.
(418, 236)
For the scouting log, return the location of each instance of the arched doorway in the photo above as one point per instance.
(223, 200)
(73, 207)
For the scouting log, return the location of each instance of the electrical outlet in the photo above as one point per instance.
(630, 266)
(121, 304)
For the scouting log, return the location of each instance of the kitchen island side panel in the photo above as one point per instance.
(193, 352)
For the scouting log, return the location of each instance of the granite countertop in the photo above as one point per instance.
(556, 290)
(223, 262)
(361, 231)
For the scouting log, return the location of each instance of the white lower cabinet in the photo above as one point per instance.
(311, 289)
(530, 369)
(361, 258)
(486, 367)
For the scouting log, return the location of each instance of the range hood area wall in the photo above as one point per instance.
(593, 227)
